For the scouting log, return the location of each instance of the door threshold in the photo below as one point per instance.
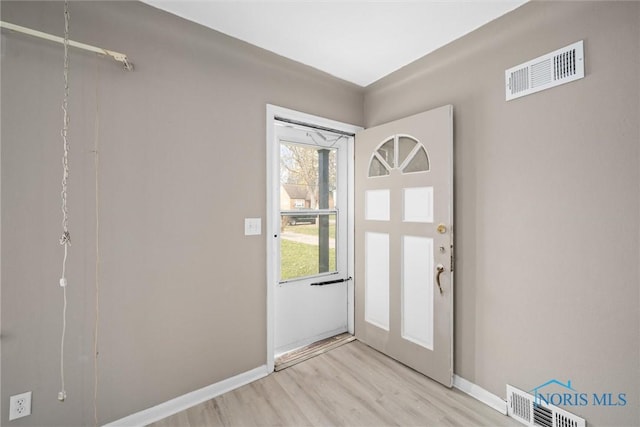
(312, 350)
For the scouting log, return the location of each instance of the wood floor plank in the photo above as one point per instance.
(293, 384)
(352, 385)
(393, 401)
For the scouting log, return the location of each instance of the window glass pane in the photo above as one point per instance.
(307, 245)
(387, 153)
(419, 163)
(307, 177)
(405, 145)
(376, 168)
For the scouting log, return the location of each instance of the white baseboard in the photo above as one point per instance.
(480, 394)
(188, 400)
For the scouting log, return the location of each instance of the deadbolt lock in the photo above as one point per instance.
(442, 228)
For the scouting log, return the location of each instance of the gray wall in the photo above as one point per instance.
(182, 163)
(547, 200)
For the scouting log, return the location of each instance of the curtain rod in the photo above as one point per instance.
(120, 57)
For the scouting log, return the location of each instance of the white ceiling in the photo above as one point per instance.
(359, 41)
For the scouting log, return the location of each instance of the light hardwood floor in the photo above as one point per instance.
(352, 385)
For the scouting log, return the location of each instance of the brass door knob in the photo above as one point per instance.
(442, 228)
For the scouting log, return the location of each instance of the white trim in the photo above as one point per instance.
(186, 401)
(480, 394)
(352, 233)
(272, 276)
(273, 222)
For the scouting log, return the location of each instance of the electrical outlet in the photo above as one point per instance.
(19, 405)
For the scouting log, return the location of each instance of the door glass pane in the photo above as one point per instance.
(386, 151)
(419, 163)
(307, 245)
(405, 146)
(307, 177)
(308, 189)
(376, 168)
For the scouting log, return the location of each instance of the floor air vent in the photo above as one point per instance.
(521, 406)
(561, 66)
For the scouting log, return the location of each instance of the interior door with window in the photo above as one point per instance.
(404, 241)
(311, 294)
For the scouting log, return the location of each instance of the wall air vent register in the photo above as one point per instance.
(521, 406)
(553, 69)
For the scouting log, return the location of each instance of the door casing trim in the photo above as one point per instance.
(272, 223)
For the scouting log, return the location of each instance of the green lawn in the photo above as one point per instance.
(299, 259)
(311, 229)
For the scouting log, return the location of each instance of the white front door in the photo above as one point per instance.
(310, 233)
(404, 241)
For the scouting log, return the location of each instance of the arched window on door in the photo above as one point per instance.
(402, 152)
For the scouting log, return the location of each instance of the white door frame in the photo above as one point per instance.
(273, 220)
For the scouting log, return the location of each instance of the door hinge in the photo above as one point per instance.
(453, 258)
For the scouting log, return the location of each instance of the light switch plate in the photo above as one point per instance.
(252, 226)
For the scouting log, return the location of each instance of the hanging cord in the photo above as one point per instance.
(96, 145)
(332, 142)
(65, 239)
